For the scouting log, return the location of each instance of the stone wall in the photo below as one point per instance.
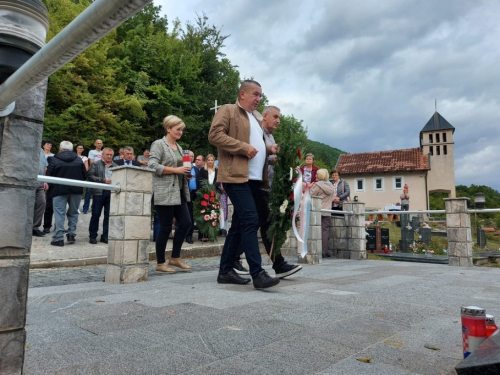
(20, 142)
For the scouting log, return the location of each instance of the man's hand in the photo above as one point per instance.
(275, 148)
(108, 180)
(45, 186)
(252, 151)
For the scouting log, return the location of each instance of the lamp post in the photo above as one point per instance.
(23, 28)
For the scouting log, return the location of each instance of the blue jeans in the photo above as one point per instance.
(166, 216)
(59, 203)
(98, 203)
(244, 226)
(86, 202)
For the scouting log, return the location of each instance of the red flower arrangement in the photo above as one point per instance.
(206, 210)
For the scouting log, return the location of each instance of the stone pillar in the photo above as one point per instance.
(356, 237)
(459, 232)
(129, 226)
(20, 142)
(337, 244)
(313, 255)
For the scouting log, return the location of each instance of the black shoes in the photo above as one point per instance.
(222, 232)
(70, 238)
(286, 269)
(239, 269)
(232, 278)
(104, 240)
(38, 233)
(263, 280)
(93, 241)
(46, 230)
(189, 239)
(57, 243)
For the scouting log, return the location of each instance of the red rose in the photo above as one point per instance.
(212, 199)
(212, 193)
(205, 196)
(204, 204)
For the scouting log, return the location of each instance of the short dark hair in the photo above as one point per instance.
(247, 82)
(47, 141)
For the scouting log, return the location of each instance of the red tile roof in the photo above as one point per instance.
(383, 161)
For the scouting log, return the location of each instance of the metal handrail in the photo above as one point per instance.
(70, 182)
(415, 212)
(101, 17)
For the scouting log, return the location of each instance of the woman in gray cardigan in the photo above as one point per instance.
(171, 193)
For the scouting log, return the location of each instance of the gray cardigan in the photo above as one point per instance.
(166, 186)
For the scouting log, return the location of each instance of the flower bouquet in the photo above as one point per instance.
(206, 210)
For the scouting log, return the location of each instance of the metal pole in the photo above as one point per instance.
(70, 182)
(92, 24)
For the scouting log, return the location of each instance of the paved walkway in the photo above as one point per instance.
(326, 319)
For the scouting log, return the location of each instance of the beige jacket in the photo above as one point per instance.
(324, 190)
(230, 133)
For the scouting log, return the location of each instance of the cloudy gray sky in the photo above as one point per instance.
(363, 75)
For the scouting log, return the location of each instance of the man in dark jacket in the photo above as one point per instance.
(66, 164)
(99, 172)
(128, 158)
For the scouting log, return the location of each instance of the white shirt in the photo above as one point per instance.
(95, 155)
(256, 165)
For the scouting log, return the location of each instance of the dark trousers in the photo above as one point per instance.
(261, 198)
(49, 210)
(325, 231)
(98, 203)
(244, 226)
(190, 209)
(166, 216)
(86, 201)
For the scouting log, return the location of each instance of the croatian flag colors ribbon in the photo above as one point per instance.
(301, 201)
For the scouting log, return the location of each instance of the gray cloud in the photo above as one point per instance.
(363, 75)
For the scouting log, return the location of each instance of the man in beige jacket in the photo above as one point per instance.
(242, 155)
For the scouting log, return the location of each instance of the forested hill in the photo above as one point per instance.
(327, 154)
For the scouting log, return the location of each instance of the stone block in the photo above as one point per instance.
(358, 232)
(130, 249)
(315, 203)
(355, 220)
(146, 209)
(457, 234)
(126, 274)
(358, 255)
(134, 204)
(335, 232)
(20, 134)
(339, 221)
(315, 218)
(460, 249)
(32, 106)
(139, 179)
(314, 246)
(142, 252)
(343, 244)
(344, 232)
(455, 205)
(465, 262)
(344, 254)
(453, 261)
(117, 227)
(16, 216)
(117, 203)
(12, 351)
(137, 227)
(315, 232)
(453, 220)
(13, 293)
(357, 244)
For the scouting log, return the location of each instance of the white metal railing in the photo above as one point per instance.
(92, 24)
(414, 212)
(69, 182)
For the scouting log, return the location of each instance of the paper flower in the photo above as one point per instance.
(284, 206)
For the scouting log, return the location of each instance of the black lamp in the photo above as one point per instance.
(23, 29)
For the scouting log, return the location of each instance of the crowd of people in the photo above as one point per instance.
(243, 173)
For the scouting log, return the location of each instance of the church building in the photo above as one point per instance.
(377, 178)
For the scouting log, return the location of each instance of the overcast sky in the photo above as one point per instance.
(363, 75)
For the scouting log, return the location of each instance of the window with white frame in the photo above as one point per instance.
(378, 183)
(360, 184)
(398, 183)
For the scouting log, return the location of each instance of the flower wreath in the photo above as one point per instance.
(206, 210)
(281, 197)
